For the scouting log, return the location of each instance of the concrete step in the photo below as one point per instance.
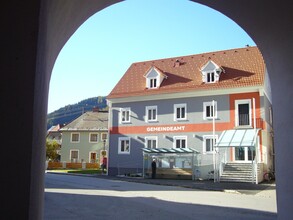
(237, 172)
(236, 180)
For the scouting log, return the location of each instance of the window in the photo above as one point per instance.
(180, 112)
(208, 143)
(75, 137)
(151, 113)
(151, 142)
(125, 115)
(94, 137)
(124, 146)
(211, 72)
(210, 77)
(74, 156)
(180, 142)
(93, 157)
(104, 136)
(154, 77)
(208, 110)
(243, 112)
(153, 83)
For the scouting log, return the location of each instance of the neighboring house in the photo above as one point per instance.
(54, 134)
(173, 103)
(84, 139)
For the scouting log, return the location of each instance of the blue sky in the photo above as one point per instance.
(101, 50)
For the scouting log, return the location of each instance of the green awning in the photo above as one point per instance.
(238, 138)
(169, 150)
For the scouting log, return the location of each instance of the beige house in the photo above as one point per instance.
(84, 139)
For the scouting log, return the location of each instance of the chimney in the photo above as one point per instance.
(177, 63)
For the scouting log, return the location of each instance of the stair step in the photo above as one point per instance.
(236, 180)
(237, 172)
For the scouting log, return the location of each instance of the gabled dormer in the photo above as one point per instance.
(154, 78)
(211, 72)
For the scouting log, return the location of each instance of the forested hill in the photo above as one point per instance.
(70, 112)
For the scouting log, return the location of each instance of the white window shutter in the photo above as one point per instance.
(147, 83)
(217, 77)
(204, 77)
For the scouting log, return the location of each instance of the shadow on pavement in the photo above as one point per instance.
(78, 206)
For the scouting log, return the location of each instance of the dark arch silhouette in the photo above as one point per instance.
(32, 35)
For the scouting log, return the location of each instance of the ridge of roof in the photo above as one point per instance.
(183, 56)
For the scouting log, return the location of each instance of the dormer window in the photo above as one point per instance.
(210, 77)
(154, 78)
(211, 72)
(153, 83)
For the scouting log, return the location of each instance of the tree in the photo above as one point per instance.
(51, 150)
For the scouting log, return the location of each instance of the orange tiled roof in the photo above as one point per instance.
(243, 67)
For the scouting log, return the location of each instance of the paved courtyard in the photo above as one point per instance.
(80, 197)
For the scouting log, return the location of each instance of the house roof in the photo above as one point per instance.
(89, 121)
(242, 67)
(54, 128)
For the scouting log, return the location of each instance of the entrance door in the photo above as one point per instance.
(239, 154)
(244, 154)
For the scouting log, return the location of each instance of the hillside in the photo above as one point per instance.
(68, 113)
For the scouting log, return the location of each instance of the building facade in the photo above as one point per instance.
(187, 102)
(85, 138)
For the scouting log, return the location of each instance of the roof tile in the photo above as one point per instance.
(243, 67)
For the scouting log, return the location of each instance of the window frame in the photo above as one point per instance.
(128, 109)
(147, 108)
(151, 138)
(182, 105)
(210, 75)
(91, 133)
(104, 133)
(205, 105)
(152, 81)
(120, 144)
(239, 102)
(210, 137)
(71, 136)
(175, 138)
(70, 154)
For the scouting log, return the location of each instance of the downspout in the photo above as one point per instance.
(255, 161)
(214, 142)
(109, 103)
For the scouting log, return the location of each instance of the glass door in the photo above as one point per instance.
(251, 153)
(239, 154)
(244, 154)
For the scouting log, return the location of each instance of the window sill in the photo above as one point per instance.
(243, 127)
(210, 119)
(180, 120)
(155, 121)
(126, 122)
(209, 153)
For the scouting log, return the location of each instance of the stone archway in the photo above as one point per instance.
(36, 32)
